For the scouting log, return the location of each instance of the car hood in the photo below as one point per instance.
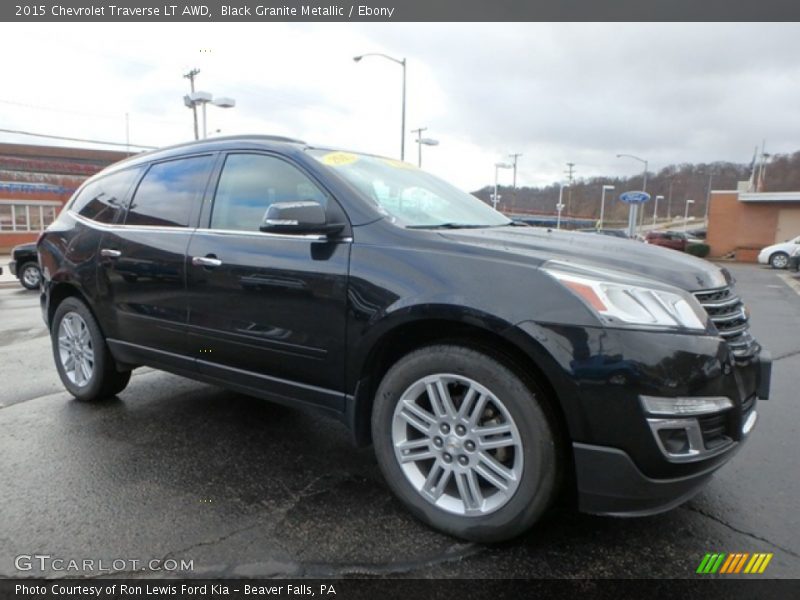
(645, 260)
(779, 247)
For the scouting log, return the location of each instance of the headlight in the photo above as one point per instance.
(619, 304)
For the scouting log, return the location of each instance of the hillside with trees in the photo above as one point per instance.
(676, 183)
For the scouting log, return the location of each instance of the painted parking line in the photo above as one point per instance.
(791, 281)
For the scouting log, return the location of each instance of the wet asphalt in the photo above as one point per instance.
(175, 469)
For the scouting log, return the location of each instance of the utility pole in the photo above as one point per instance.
(570, 172)
(190, 76)
(514, 157)
(419, 144)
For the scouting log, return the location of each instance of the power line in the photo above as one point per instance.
(72, 139)
(93, 115)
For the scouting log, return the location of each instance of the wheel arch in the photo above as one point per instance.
(490, 337)
(60, 291)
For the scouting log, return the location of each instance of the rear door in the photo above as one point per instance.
(267, 310)
(142, 273)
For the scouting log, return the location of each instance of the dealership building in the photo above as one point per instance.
(741, 223)
(36, 181)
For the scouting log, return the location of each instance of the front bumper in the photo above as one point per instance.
(609, 483)
(12, 267)
(622, 466)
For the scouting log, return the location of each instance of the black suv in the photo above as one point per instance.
(491, 365)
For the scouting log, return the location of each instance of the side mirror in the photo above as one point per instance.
(304, 217)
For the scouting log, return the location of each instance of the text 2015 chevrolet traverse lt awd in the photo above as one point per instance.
(489, 364)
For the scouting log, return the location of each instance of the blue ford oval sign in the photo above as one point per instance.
(634, 197)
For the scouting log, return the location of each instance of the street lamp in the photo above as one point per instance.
(202, 99)
(655, 209)
(402, 63)
(634, 209)
(708, 195)
(497, 167)
(686, 214)
(421, 141)
(603, 203)
(560, 205)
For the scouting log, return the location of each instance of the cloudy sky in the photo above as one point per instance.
(557, 93)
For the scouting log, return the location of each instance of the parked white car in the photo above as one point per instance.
(777, 255)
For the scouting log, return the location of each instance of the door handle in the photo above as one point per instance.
(206, 261)
(109, 253)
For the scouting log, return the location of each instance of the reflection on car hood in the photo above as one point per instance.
(646, 260)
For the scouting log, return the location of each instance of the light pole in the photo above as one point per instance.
(655, 209)
(708, 195)
(686, 214)
(634, 209)
(202, 99)
(497, 167)
(560, 205)
(669, 200)
(514, 157)
(603, 203)
(402, 63)
(421, 141)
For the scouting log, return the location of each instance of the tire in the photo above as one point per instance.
(30, 276)
(779, 260)
(82, 358)
(526, 448)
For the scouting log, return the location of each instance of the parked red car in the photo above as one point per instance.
(677, 240)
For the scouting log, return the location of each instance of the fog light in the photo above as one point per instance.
(685, 406)
(675, 441)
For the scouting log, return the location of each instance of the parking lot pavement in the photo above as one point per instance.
(178, 469)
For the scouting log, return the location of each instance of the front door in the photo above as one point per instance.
(267, 311)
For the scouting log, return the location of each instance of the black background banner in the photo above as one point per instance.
(399, 10)
(711, 588)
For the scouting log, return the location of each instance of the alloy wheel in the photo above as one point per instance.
(75, 349)
(457, 444)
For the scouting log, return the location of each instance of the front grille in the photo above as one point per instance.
(726, 310)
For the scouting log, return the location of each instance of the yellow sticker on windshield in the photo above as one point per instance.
(339, 159)
(398, 164)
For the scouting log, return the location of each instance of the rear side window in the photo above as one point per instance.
(250, 183)
(169, 192)
(102, 200)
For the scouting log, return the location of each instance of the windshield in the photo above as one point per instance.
(412, 197)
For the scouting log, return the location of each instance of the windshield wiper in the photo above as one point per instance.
(447, 226)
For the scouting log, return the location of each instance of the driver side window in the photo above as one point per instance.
(250, 183)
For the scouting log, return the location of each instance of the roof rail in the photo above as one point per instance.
(222, 138)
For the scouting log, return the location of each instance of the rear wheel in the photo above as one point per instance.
(30, 275)
(465, 443)
(83, 360)
(779, 260)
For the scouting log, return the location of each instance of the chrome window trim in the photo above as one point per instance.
(284, 236)
(169, 229)
(122, 227)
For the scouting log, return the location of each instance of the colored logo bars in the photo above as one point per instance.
(737, 562)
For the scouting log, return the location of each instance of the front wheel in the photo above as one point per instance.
(84, 363)
(30, 276)
(465, 443)
(779, 260)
